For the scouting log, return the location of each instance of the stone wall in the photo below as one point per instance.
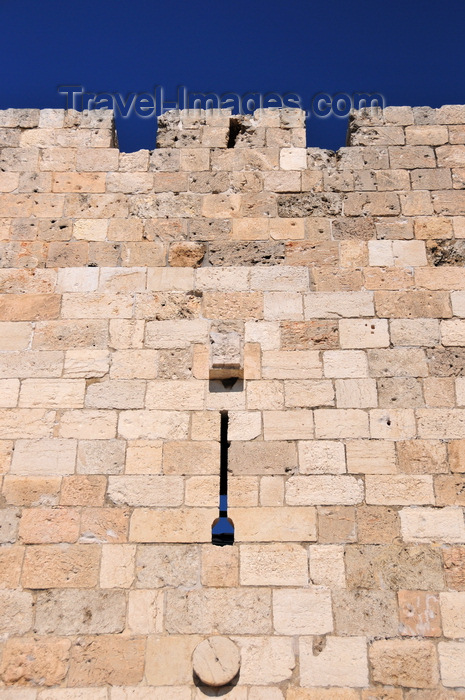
(337, 282)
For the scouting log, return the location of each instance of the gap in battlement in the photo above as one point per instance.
(135, 134)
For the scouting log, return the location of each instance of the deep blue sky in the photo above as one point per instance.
(410, 51)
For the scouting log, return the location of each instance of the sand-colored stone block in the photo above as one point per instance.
(408, 663)
(339, 661)
(273, 565)
(61, 566)
(26, 660)
(419, 614)
(105, 659)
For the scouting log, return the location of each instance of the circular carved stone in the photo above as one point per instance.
(216, 661)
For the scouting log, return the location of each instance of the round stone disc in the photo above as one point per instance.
(216, 661)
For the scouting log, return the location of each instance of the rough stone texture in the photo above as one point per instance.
(410, 664)
(333, 286)
(394, 567)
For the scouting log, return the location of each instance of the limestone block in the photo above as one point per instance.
(31, 491)
(31, 364)
(268, 524)
(9, 392)
(300, 611)
(77, 279)
(15, 335)
(117, 567)
(61, 566)
(234, 279)
(392, 424)
(271, 491)
(389, 566)
(107, 659)
(306, 335)
(422, 456)
(361, 333)
(6, 451)
(409, 304)
(218, 611)
(419, 614)
(145, 490)
(439, 392)
(437, 423)
(134, 364)
(44, 457)
(100, 456)
(104, 525)
(399, 490)
(178, 395)
(145, 612)
(341, 662)
(323, 490)
(52, 393)
(421, 332)
(220, 566)
(168, 566)
(265, 395)
(160, 669)
(436, 524)
(181, 457)
(368, 613)
(341, 423)
(400, 392)
(27, 660)
(451, 659)
(265, 660)
(287, 229)
(83, 490)
(107, 305)
(9, 518)
(273, 565)
(30, 307)
(345, 363)
(143, 457)
(380, 253)
(293, 158)
(94, 424)
(453, 614)
(408, 663)
(116, 394)
(287, 425)
(397, 362)
(291, 364)
(176, 334)
(66, 612)
(261, 457)
(251, 229)
(321, 457)
(11, 560)
(337, 524)
(45, 525)
(153, 425)
(308, 393)
(328, 694)
(356, 393)
(282, 306)
(180, 525)
(327, 565)
(338, 304)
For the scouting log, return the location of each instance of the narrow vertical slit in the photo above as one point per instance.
(223, 527)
